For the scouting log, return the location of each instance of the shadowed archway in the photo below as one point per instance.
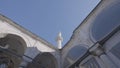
(44, 60)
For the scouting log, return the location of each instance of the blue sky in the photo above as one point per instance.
(46, 18)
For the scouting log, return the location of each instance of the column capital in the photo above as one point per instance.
(96, 50)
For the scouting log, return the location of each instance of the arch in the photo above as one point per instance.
(15, 42)
(106, 21)
(15, 45)
(44, 60)
(74, 53)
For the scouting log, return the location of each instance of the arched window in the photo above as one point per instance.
(74, 54)
(106, 21)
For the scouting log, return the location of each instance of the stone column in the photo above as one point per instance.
(3, 62)
(6, 63)
(3, 65)
(107, 61)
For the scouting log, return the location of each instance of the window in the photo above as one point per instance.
(76, 52)
(106, 21)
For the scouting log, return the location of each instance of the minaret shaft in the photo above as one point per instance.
(59, 40)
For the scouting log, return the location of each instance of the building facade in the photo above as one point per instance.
(95, 43)
(19, 48)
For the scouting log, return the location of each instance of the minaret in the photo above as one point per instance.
(59, 40)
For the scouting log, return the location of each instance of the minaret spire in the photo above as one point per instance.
(59, 40)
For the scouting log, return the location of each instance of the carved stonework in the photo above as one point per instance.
(96, 50)
(5, 62)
